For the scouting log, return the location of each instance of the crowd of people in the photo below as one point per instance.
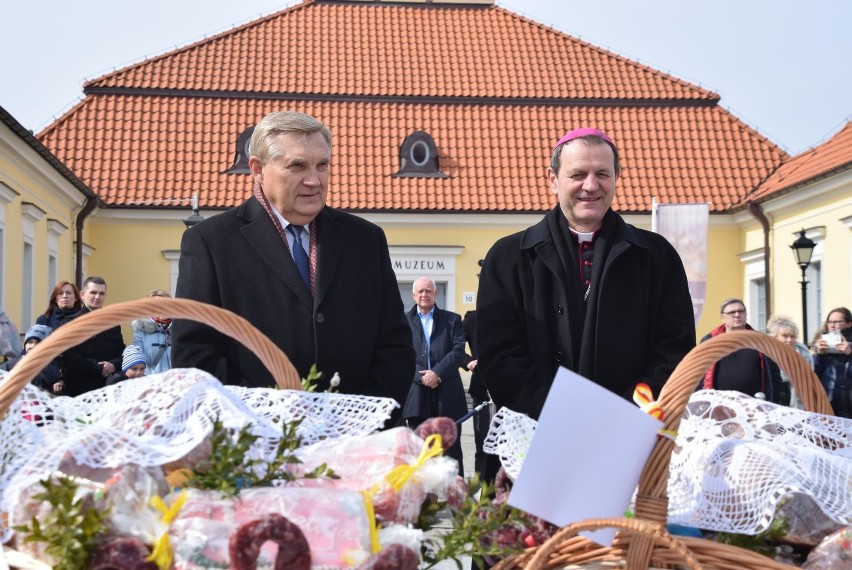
(324, 291)
(100, 360)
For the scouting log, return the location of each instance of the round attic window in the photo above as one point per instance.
(419, 153)
(418, 157)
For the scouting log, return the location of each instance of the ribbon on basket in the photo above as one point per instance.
(400, 474)
(162, 554)
(644, 398)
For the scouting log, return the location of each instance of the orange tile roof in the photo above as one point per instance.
(494, 89)
(824, 160)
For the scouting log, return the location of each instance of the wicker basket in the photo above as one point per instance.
(638, 551)
(72, 333)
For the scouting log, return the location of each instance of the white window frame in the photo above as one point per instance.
(755, 270)
(55, 229)
(6, 196)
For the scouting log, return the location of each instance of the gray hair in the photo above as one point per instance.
(429, 279)
(263, 143)
(779, 322)
(730, 301)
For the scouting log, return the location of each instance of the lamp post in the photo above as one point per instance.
(803, 248)
(195, 217)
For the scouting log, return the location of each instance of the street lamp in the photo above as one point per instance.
(803, 248)
(195, 217)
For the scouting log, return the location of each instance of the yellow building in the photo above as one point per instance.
(41, 201)
(443, 116)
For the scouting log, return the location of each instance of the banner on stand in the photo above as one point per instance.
(685, 226)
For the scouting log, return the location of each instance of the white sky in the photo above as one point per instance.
(784, 67)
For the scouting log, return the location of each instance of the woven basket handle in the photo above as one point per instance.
(675, 394)
(683, 381)
(83, 327)
(653, 531)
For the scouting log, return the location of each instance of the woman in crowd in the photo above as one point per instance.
(154, 336)
(784, 329)
(64, 303)
(832, 349)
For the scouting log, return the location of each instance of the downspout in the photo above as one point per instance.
(757, 212)
(88, 208)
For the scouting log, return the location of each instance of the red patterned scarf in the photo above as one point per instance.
(312, 229)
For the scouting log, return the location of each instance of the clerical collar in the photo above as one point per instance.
(582, 236)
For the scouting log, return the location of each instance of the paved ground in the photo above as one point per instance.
(468, 451)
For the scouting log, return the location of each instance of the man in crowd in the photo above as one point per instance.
(581, 289)
(745, 370)
(315, 280)
(88, 364)
(438, 338)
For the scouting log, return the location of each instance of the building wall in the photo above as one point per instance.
(137, 250)
(824, 211)
(38, 209)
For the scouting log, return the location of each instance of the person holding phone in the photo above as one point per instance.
(832, 349)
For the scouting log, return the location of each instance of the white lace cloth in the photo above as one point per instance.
(159, 419)
(509, 437)
(735, 457)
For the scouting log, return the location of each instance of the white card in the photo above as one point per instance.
(586, 456)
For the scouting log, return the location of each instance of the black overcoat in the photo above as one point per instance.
(640, 321)
(446, 353)
(354, 325)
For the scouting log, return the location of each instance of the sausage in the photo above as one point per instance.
(392, 557)
(457, 492)
(293, 550)
(443, 426)
(386, 504)
(123, 553)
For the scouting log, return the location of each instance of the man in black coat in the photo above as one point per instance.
(581, 289)
(315, 280)
(438, 338)
(88, 364)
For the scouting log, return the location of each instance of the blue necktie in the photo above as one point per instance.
(300, 256)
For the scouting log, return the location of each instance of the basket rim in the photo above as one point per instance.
(86, 325)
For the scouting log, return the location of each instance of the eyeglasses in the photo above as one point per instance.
(836, 322)
(735, 312)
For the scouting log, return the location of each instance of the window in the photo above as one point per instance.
(757, 305)
(241, 153)
(815, 306)
(27, 272)
(755, 288)
(54, 230)
(438, 262)
(418, 157)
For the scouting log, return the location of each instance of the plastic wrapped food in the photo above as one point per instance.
(334, 522)
(398, 469)
(835, 551)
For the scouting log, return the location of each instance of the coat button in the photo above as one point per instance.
(560, 357)
(320, 317)
(560, 309)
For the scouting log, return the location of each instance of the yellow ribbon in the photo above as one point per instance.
(400, 474)
(668, 434)
(162, 554)
(644, 398)
(375, 546)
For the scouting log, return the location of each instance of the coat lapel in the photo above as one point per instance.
(260, 233)
(330, 243)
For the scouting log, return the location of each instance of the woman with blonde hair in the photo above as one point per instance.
(154, 336)
(784, 329)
